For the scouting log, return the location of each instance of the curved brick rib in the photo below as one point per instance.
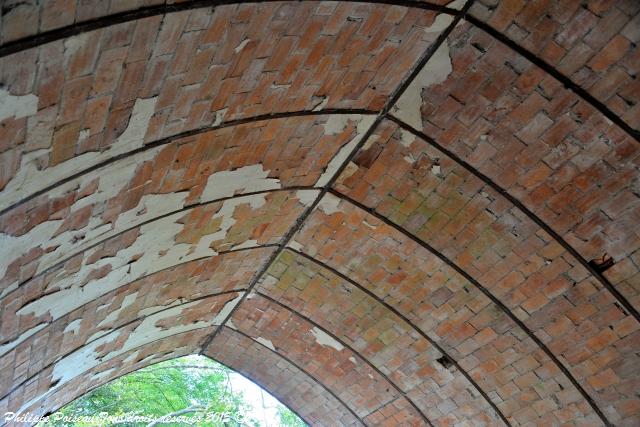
(197, 315)
(595, 45)
(297, 337)
(358, 245)
(500, 192)
(50, 24)
(436, 34)
(302, 392)
(519, 127)
(380, 334)
(160, 350)
(428, 194)
(229, 272)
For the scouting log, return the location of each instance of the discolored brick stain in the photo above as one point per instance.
(417, 213)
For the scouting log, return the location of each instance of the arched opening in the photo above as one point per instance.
(188, 390)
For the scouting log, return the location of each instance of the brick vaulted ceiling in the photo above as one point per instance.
(385, 213)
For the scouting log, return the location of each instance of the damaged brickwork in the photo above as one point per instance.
(400, 213)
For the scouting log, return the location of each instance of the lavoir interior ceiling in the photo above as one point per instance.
(393, 213)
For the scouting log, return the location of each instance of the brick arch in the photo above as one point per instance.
(446, 162)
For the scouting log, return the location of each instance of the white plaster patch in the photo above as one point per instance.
(329, 204)
(220, 116)
(248, 178)
(334, 125)
(456, 4)
(155, 308)
(17, 106)
(84, 134)
(230, 324)
(322, 104)
(131, 357)
(306, 197)
(87, 357)
(440, 24)
(159, 235)
(435, 169)
(30, 178)
(247, 244)
(73, 327)
(102, 375)
(295, 245)
(409, 159)
(113, 315)
(353, 360)
(434, 72)
(228, 307)
(324, 339)
(13, 344)
(265, 342)
(241, 45)
(406, 138)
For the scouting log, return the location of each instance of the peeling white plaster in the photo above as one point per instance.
(334, 125)
(434, 72)
(154, 309)
(104, 374)
(74, 43)
(84, 134)
(133, 135)
(159, 235)
(131, 357)
(72, 242)
(456, 4)
(248, 178)
(322, 104)
(220, 116)
(251, 243)
(306, 197)
(13, 344)
(228, 307)
(113, 315)
(409, 159)
(324, 339)
(88, 356)
(265, 342)
(241, 45)
(231, 325)
(440, 24)
(329, 204)
(73, 327)
(406, 138)
(435, 169)
(353, 360)
(144, 361)
(295, 245)
(30, 178)
(17, 106)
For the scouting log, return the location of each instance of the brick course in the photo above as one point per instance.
(266, 368)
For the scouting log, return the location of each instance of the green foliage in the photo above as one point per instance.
(195, 388)
(288, 419)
